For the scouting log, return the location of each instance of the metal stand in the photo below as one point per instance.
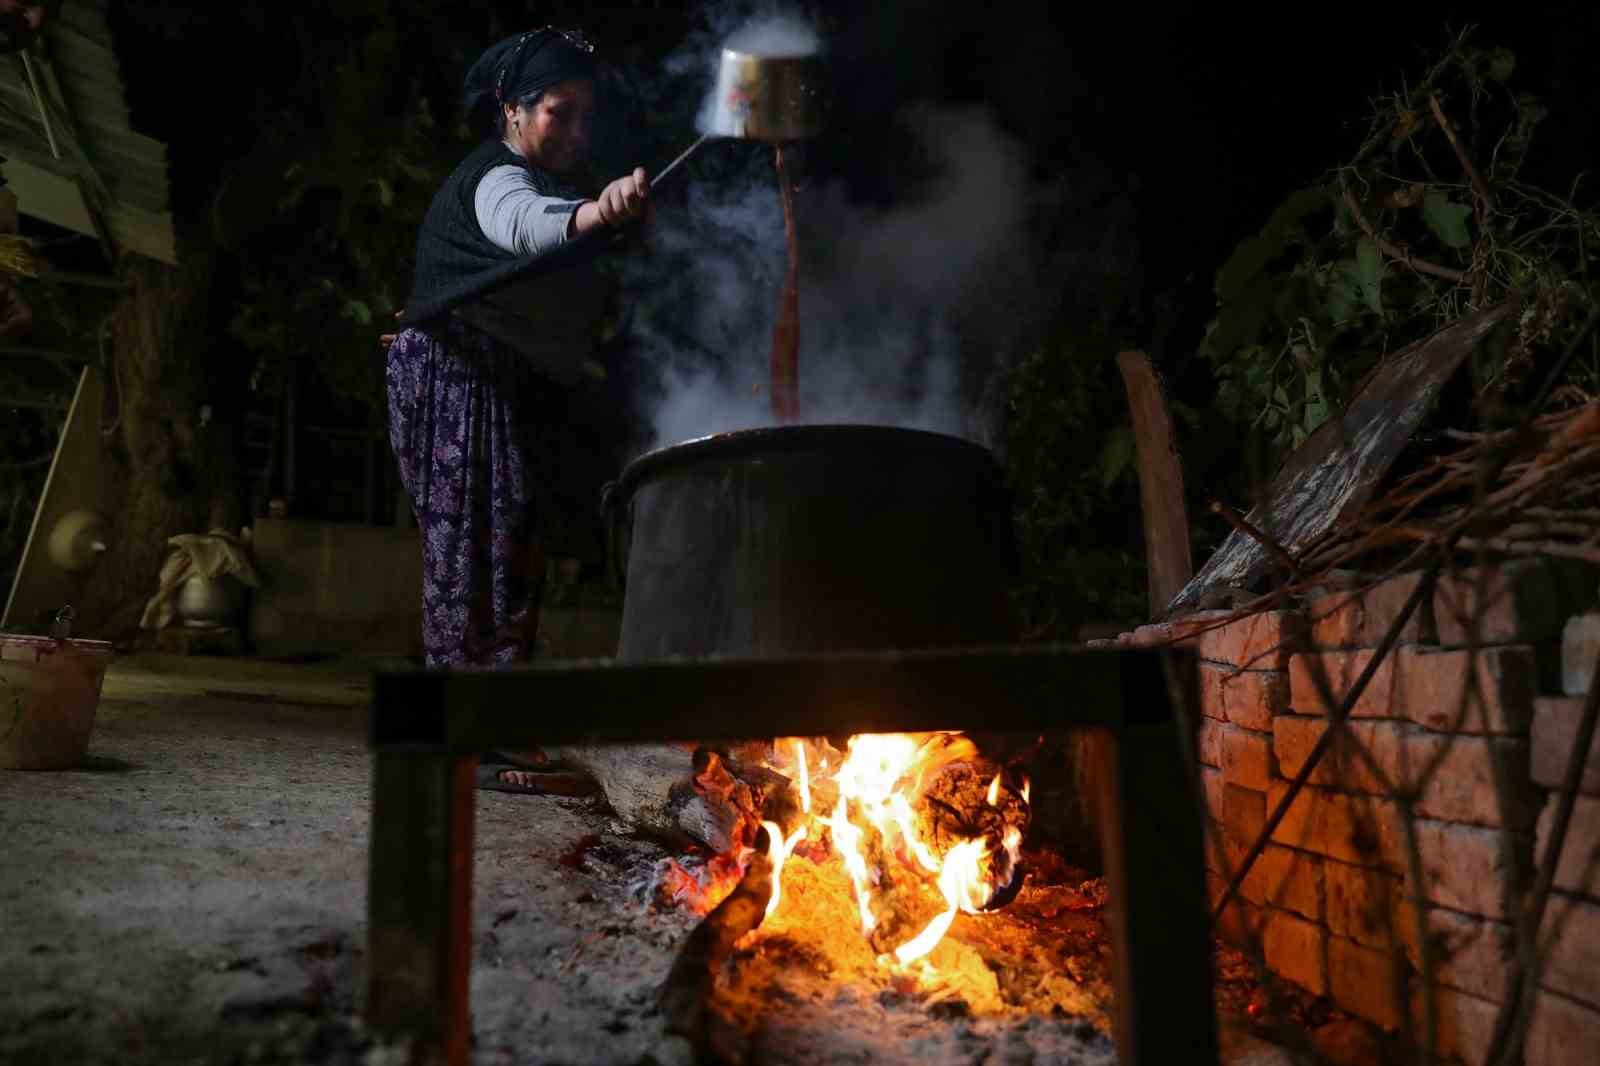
(427, 728)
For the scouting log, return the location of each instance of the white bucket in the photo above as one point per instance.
(49, 692)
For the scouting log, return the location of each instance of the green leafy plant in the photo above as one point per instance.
(1428, 220)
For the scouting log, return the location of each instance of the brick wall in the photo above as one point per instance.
(1332, 897)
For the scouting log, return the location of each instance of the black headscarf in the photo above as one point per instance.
(520, 66)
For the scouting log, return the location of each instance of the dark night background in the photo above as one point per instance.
(1201, 118)
(1214, 110)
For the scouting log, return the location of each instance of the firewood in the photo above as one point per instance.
(684, 996)
(682, 791)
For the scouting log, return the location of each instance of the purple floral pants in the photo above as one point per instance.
(456, 418)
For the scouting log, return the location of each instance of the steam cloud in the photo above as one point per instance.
(895, 302)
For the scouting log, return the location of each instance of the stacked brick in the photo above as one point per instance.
(1441, 803)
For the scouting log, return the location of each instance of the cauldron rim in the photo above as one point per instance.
(768, 439)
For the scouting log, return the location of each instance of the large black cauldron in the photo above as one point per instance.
(805, 539)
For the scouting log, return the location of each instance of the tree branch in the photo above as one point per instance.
(1479, 185)
(1394, 251)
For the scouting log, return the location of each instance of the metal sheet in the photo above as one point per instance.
(1336, 470)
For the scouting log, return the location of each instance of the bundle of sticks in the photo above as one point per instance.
(1544, 501)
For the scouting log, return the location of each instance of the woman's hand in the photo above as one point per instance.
(622, 201)
(387, 339)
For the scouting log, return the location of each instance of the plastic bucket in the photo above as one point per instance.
(49, 692)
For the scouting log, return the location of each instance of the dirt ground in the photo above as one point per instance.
(197, 893)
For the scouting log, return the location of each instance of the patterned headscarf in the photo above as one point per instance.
(525, 64)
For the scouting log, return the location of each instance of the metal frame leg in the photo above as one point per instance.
(419, 902)
(1155, 876)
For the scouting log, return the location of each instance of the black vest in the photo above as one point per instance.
(455, 262)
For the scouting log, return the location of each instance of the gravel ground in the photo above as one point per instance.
(196, 894)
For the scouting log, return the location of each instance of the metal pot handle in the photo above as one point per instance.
(618, 530)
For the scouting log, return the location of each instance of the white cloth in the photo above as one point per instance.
(209, 554)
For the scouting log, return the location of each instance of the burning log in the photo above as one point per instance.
(685, 995)
(716, 799)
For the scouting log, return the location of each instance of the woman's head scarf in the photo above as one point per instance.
(523, 65)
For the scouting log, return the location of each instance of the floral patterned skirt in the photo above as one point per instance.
(457, 420)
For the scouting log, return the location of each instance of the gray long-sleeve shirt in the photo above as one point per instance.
(516, 216)
(549, 319)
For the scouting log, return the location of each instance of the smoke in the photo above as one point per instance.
(902, 306)
(775, 35)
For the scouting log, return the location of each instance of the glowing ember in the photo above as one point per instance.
(971, 858)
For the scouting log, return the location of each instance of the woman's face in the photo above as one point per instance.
(554, 132)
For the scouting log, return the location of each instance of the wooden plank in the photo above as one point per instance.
(1017, 689)
(419, 903)
(1168, 563)
(1155, 879)
(48, 196)
(1336, 470)
(77, 481)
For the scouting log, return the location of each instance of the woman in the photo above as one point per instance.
(476, 350)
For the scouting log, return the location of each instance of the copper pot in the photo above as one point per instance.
(768, 98)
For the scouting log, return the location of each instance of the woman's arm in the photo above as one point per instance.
(625, 199)
(517, 217)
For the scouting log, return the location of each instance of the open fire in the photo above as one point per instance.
(921, 824)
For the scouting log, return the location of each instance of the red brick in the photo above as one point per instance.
(1466, 868)
(1256, 642)
(1524, 602)
(1426, 686)
(1554, 734)
(1296, 949)
(1247, 698)
(1363, 904)
(1292, 880)
(1359, 618)
(1208, 742)
(1579, 869)
(1580, 646)
(1368, 982)
(1470, 954)
(1572, 927)
(1466, 1023)
(1294, 737)
(1561, 1033)
(1255, 884)
(1244, 813)
(1354, 829)
(1240, 923)
(1461, 789)
(1211, 785)
(1261, 641)
(1246, 758)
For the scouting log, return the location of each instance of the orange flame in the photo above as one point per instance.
(880, 776)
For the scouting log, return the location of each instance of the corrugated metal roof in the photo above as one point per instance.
(96, 154)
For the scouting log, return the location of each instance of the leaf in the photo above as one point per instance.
(1369, 273)
(1344, 291)
(357, 310)
(385, 192)
(1116, 454)
(1447, 219)
(1502, 62)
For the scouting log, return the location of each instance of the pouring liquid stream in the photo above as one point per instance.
(785, 370)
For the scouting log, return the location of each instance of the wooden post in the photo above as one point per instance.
(1155, 877)
(419, 902)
